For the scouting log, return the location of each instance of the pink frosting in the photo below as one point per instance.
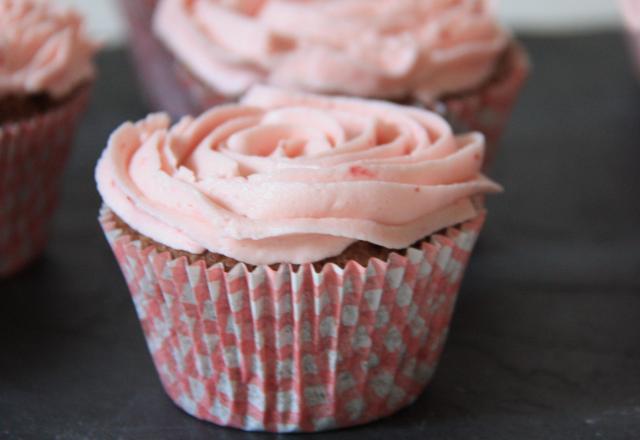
(289, 177)
(631, 11)
(369, 48)
(42, 49)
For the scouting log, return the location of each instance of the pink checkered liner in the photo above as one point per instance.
(488, 110)
(295, 350)
(33, 153)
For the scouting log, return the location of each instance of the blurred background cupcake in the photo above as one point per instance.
(46, 73)
(631, 12)
(448, 55)
(157, 72)
(294, 259)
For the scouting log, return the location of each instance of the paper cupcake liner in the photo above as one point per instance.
(33, 153)
(166, 86)
(295, 349)
(488, 109)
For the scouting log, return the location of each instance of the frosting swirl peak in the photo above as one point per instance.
(42, 49)
(289, 177)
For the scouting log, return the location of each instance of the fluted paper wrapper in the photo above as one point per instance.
(295, 350)
(33, 154)
(167, 85)
(488, 109)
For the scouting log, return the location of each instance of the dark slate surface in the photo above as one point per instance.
(545, 343)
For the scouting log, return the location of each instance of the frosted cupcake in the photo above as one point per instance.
(294, 259)
(45, 77)
(159, 82)
(447, 55)
(631, 12)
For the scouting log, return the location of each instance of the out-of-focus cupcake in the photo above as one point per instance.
(45, 77)
(158, 79)
(631, 12)
(448, 55)
(294, 259)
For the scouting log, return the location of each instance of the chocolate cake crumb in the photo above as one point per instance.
(14, 108)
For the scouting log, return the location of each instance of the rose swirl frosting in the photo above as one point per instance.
(289, 177)
(42, 49)
(392, 49)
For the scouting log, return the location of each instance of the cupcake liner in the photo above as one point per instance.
(294, 349)
(488, 109)
(33, 153)
(166, 85)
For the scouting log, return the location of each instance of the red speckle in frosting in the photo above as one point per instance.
(477, 156)
(357, 171)
(417, 189)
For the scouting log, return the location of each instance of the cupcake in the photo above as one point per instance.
(45, 76)
(448, 55)
(159, 81)
(294, 259)
(631, 12)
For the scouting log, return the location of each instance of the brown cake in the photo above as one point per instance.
(14, 108)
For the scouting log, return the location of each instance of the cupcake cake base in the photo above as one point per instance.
(294, 348)
(15, 108)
